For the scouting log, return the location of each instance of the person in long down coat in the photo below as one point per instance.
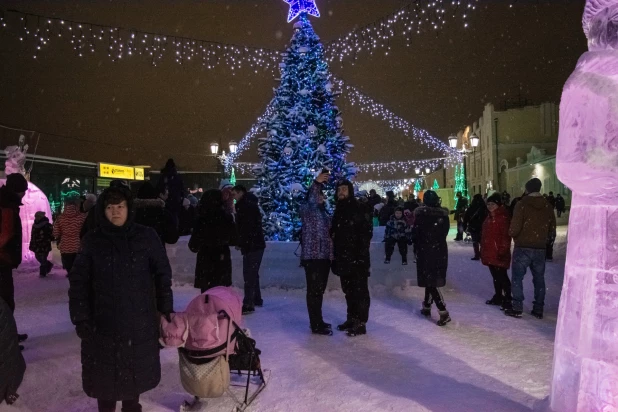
(496, 250)
(317, 252)
(120, 286)
(214, 232)
(473, 223)
(352, 230)
(431, 226)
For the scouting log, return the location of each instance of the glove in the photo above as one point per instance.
(84, 330)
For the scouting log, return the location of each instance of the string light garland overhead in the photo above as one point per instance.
(406, 166)
(257, 128)
(416, 17)
(87, 38)
(368, 105)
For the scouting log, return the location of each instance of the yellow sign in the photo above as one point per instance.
(139, 173)
(117, 172)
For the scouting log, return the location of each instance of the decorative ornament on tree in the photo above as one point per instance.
(298, 7)
(339, 121)
(312, 130)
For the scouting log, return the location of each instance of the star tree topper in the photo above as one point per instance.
(302, 6)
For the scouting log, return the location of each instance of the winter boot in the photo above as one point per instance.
(247, 310)
(538, 315)
(513, 313)
(43, 271)
(326, 325)
(444, 318)
(259, 303)
(345, 325)
(387, 261)
(49, 267)
(321, 330)
(506, 304)
(404, 263)
(496, 300)
(477, 251)
(426, 310)
(22, 337)
(358, 328)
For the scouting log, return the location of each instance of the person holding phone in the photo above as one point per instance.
(317, 251)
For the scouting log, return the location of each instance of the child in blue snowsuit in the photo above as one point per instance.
(397, 232)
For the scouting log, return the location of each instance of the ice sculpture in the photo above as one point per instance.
(34, 201)
(585, 374)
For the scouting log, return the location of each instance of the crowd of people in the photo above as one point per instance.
(113, 249)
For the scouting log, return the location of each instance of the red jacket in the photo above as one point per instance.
(495, 240)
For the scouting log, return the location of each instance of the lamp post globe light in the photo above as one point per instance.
(474, 142)
(452, 141)
(417, 171)
(214, 151)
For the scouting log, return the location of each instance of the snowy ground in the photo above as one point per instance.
(482, 361)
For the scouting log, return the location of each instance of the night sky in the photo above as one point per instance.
(130, 112)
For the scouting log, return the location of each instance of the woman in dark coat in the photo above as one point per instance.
(496, 250)
(214, 232)
(473, 222)
(12, 364)
(120, 286)
(317, 252)
(431, 226)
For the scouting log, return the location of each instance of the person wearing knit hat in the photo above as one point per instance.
(430, 229)
(496, 250)
(533, 224)
(40, 242)
(11, 195)
(495, 198)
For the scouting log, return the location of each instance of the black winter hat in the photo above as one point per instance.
(347, 183)
(533, 185)
(495, 198)
(431, 199)
(16, 182)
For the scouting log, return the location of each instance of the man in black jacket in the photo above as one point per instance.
(351, 231)
(251, 244)
(11, 195)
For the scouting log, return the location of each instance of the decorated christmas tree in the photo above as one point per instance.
(304, 135)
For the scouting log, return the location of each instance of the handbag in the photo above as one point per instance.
(204, 378)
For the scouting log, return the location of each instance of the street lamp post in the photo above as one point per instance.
(222, 158)
(474, 142)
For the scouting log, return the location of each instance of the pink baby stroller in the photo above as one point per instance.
(210, 344)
